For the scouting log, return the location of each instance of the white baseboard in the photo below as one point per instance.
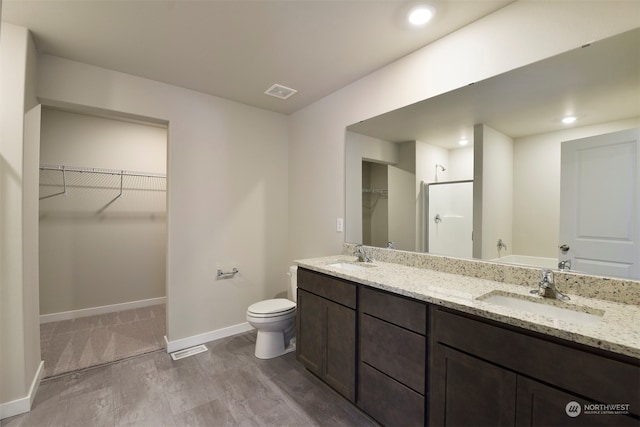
(67, 315)
(22, 405)
(206, 337)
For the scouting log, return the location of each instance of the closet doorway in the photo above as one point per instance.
(102, 239)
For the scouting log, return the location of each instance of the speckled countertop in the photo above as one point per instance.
(618, 330)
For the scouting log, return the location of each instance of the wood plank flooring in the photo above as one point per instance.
(226, 386)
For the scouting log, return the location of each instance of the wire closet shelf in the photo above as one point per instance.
(57, 180)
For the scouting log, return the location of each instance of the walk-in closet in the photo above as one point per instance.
(102, 239)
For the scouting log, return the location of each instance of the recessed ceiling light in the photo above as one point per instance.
(280, 91)
(420, 15)
(569, 119)
(463, 141)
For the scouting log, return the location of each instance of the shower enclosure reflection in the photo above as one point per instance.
(450, 218)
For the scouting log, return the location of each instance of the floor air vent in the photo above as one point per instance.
(181, 354)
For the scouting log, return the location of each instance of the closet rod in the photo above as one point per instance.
(101, 171)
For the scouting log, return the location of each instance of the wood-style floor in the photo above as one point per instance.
(225, 386)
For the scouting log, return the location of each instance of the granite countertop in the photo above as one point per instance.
(618, 330)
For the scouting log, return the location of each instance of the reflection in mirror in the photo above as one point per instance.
(515, 135)
(449, 212)
(375, 204)
(599, 203)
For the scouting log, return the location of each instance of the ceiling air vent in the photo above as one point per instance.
(280, 91)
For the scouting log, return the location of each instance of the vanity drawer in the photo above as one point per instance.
(331, 288)
(395, 351)
(404, 312)
(388, 401)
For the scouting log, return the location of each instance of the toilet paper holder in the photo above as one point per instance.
(227, 274)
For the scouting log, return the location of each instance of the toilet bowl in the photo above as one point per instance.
(275, 320)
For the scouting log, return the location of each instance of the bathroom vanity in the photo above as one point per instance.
(412, 346)
(326, 330)
(483, 373)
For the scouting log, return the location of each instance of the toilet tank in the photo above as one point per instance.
(293, 282)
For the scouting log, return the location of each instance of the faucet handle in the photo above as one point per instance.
(361, 254)
(564, 265)
(546, 276)
(545, 285)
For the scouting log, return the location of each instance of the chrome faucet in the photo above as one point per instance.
(361, 254)
(547, 288)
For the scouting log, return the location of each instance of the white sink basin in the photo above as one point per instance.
(350, 266)
(549, 308)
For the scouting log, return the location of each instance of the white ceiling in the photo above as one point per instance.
(237, 49)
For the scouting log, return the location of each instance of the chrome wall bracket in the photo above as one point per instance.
(227, 274)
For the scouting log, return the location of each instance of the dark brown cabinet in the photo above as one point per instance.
(542, 405)
(472, 392)
(392, 362)
(310, 319)
(407, 363)
(326, 329)
(484, 373)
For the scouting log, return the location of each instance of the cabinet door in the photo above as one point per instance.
(545, 406)
(310, 318)
(605, 379)
(466, 391)
(340, 364)
(326, 341)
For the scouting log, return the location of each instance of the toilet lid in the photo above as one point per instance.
(272, 306)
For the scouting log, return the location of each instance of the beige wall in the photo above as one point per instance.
(536, 183)
(227, 174)
(19, 145)
(427, 157)
(402, 199)
(90, 259)
(519, 34)
(492, 192)
(460, 164)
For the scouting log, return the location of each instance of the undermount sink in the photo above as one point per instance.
(549, 308)
(350, 266)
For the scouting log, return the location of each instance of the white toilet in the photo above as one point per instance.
(275, 320)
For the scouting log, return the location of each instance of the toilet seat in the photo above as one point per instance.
(275, 322)
(271, 308)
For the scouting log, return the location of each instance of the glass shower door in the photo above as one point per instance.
(450, 218)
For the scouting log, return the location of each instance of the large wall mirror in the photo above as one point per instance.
(526, 188)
